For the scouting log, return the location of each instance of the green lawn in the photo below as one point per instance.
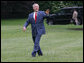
(61, 43)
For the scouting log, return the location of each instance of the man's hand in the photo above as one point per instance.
(24, 29)
(47, 11)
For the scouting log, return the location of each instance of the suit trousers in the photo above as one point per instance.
(36, 40)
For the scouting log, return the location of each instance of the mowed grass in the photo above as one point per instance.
(61, 43)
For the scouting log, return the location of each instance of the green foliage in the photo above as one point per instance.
(56, 5)
(21, 9)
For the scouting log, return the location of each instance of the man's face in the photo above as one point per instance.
(36, 7)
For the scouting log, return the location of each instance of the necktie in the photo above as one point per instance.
(35, 16)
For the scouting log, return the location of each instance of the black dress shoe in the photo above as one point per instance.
(40, 54)
(33, 54)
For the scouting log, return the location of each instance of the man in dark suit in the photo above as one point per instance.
(36, 19)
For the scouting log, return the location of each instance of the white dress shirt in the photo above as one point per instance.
(34, 15)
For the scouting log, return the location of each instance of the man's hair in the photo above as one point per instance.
(34, 4)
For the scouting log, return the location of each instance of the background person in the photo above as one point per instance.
(74, 17)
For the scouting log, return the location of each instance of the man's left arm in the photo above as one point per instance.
(46, 13)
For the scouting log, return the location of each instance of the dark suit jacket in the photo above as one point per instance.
(39, 25)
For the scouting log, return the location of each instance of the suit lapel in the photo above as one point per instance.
(33, 16)
(37, 16)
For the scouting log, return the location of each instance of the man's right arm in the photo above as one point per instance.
(26, 24)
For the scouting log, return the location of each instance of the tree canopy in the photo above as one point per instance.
(21, 9)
